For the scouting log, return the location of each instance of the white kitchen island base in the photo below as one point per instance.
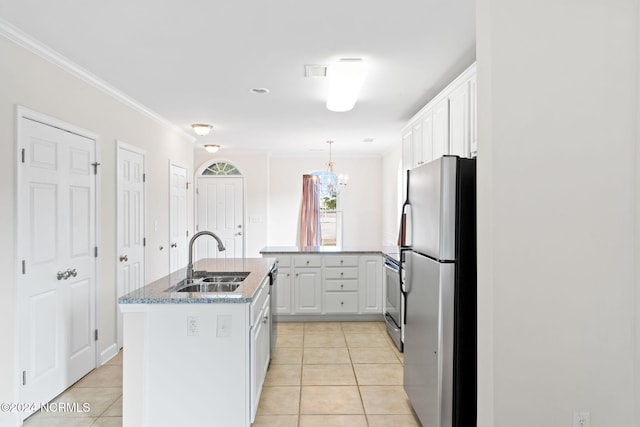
(186, 364)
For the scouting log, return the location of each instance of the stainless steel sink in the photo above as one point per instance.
(208, 281)
(210, 287)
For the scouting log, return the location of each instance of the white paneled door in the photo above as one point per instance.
(130, 222)
(57, 256)
(220, 210)
(178, 228)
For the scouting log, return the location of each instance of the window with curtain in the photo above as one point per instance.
(321, 214)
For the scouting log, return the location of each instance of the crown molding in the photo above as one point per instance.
(34, 46)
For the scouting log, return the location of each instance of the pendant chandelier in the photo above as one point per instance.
(329, 183)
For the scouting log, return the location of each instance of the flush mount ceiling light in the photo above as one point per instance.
(345, 80)
(201, 128)
(212, 148)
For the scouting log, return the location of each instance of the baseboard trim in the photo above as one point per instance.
(109, 353)
(330, 318)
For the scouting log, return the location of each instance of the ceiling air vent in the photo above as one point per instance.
(315, 70)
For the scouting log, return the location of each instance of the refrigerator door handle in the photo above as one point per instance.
(406, 283)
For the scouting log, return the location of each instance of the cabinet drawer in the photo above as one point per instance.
(283, 260)
(341, 302)
(341, 285)
(307, 261)
(259, 299)
(341, 273)
(340, 261)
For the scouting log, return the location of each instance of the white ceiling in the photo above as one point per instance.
(196, 61)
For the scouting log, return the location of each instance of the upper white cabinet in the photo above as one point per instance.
(459, 121)
(446, 125)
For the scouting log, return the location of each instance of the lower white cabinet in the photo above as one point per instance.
(307, 290)
(283, 291)
(317, 284)
(370, 291)
(260, 354)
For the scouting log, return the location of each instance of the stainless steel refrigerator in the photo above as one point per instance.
(440, 288)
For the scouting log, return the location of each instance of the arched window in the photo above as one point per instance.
(220, 168)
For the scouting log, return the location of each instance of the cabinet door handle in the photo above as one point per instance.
(341, 285)
(264, 320)
(71, 272)
(62, 275)
(124, 258)
(174, 245)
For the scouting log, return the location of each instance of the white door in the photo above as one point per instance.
(220, 210)
(130, 223)
(57, 253)
(178, 230)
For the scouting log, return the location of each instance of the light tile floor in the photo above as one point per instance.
(334, 374)
(325, 374)
(101, 389)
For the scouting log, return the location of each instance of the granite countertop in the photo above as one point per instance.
(156, 292)
(392, 252)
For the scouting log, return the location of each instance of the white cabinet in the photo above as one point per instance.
(260, 353)
(333, 284)
(473, 116)
(441, 128)
(459, 102)
(307, 290)
(283, 285)
(446, 125)
(427, 137)
(341, 284)
(370, 293)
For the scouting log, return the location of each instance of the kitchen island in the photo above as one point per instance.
(197, 358)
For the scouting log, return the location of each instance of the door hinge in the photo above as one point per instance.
(95, 167)
(197, 191)
(24, 267)
(23, 155)
(96, 335)
(187, 233)
(144, 177)
(187, 185)
(24, 377)
(95, 252)
(144, 241)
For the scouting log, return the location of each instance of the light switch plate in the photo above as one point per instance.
(192, 326)
(581, 419)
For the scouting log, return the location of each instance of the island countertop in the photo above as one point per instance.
(156, 292)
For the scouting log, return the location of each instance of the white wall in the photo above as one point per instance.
(557, 181)
(30, 81)
(391, 194)
(362, 198)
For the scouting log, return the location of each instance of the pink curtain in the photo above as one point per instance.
(309, 213)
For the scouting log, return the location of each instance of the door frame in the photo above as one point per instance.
(123, 145)
(198, 175)
(22, 112)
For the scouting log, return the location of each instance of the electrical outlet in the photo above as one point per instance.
(224, 325)
(581, 419)
(192, 326)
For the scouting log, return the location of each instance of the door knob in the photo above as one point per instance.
(124, 258)
(174, 245)
(71, 272)
(62, 275)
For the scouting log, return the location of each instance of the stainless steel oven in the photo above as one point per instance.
(394, 301)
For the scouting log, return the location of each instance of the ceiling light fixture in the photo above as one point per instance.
(201, 128)
(345, 80)
(212, 148)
